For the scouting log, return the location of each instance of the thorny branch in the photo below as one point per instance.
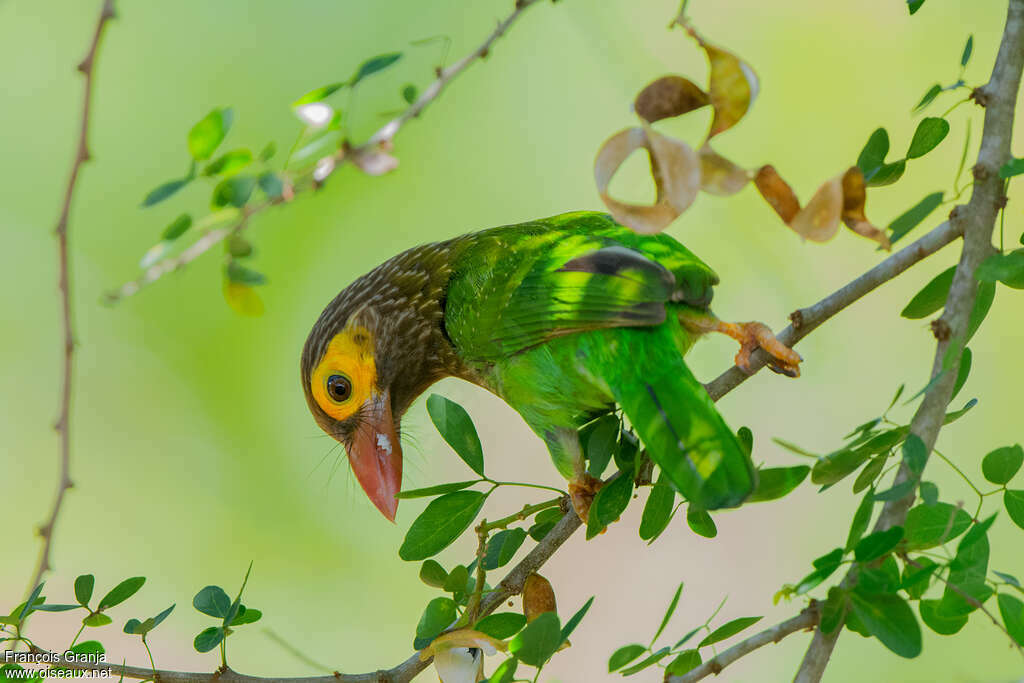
(379, 143)
(975, 222)
(63, 423)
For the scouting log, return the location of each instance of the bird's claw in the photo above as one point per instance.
(755, 335)
(582, 490)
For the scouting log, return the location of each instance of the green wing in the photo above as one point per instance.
(519, 286)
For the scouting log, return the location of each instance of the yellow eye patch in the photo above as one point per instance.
(349, 354)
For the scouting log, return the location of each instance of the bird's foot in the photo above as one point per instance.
(582, 490)
(754, 335)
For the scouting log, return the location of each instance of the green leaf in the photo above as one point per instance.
(234, 191)
(246, 615)
(443, 520)
(438, 615)
(373, 65)
(1005, 268)
(957, 414)
(158, 619)
(133, 626)
(833, 610)
(268, 152)
(505, 672)
(52, 607)
(97, 619)
(535, 644)
(457, 579)
(861, 519)
(932, 93)
(931, 298)
(916, 579)
(687, 661)
(1013, 499)
(889, 618)
(319, 94)
(875, 545)
(982, 304)
(647, 662)
(658, 510)
(968, 48)
(700, 522)
(1002, 464)
(729, 629)
(83, 588)
(209, 132)
(88, 647)
(236, 272)
(544, 522)
(436, 490)
(1012, 611)
(208, 638)
(456, 428)
(433, 574)
(212, 600)
(836, 466)
(776, 482)
(502, 547)
(600, 443)
(178, 227)
(575, 619)
(1011, 168)
(687, 637)
(239, 247)
(963, 371)
(930, 525)
(915, 453)
(913, 216)
(887, 174)
(624, 655)
(914, 5)
(162, 192)
(669, 612)
(1008, 578)
(746, 439)
(122, 592)
(884, 578)
(873, 155)
(793, 448)
(409, 93)
(611, 501)
(229, 163)
(930, 132)
(943, 624)
(870, 473)
(271, 185)
(501, 625)
(929, 492)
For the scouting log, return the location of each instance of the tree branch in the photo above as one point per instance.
(806, 320)
(807, 619)
(378, 143)
(975, 221)
(63, 423)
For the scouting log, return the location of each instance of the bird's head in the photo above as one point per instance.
(350, 396)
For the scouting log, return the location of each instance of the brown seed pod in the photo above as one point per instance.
(538, 597)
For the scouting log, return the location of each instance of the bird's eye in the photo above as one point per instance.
(339, 388)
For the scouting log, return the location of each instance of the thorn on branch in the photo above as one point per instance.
(797, 319)
(980, 96)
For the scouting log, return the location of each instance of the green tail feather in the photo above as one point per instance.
(683, 432)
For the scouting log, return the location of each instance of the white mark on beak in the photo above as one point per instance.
(384, 443)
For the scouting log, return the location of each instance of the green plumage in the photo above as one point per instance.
(567, 317)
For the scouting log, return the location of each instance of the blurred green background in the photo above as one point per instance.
(193, 449)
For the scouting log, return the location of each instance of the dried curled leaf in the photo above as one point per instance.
(669, 96)
(732, 87)
(719, 176)
(374, 162)
(674, 166)
(538, 597)
(839, 198)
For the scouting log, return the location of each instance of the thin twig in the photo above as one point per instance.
(807, 619)
(806, 320)
(63, 423)
(378, 143)
(976, 222)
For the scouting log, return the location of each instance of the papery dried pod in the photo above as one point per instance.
(819, 220)
(732, 87)
(675, 168)
(719, 176)
(374, 162)
(669, 96)
(777, 193)
(538, 597)
(854, 198)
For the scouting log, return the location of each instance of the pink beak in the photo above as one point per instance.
(376, 455)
